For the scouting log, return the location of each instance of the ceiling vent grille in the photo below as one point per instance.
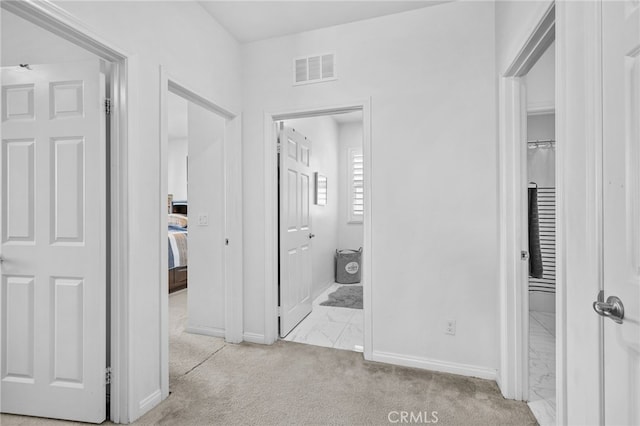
(314, 69)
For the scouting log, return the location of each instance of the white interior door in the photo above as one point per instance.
(295, 229)
(621, 125)
(54, 242)
(206, 196)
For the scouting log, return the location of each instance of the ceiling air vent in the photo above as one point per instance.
(314, 69)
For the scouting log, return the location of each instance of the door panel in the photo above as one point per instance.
(207, 221)
(54, 242)
(295, 229)
(67, 190)
(18, 330)
(621, 191)
(18, 196)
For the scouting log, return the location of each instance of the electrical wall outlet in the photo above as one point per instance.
(450, 327)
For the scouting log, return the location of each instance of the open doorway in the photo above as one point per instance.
(200, 229)
(177, 185)
(540, 167)
(533, 309)
(321, 216)
(195, 218)
(56, 219)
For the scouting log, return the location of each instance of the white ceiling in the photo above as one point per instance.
(250, 21)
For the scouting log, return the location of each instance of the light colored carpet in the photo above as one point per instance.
(186, 350)
(294, 384)
(291, 383)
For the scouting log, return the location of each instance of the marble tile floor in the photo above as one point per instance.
(542, 367)
(330, 326)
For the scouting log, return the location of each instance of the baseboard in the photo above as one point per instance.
(207, 331)
(435, 365)
(324, 288)
(253, 338)
(541, 108)
(149, 402)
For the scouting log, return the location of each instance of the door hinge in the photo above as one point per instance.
(279, 311)
(279, 147)
(524, 255)
(107, 375)
(107, 106)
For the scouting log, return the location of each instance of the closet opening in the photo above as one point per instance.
(540, 164)
(320, 201)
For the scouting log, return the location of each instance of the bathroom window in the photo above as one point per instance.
(356, 185)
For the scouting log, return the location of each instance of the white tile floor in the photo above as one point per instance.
(330, 326)
(542, 367)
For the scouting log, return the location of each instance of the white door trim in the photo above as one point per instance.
(579, 245)
(47, 15)
(514, 300)
(271, 212)
(233, 217)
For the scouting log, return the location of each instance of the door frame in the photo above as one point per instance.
(513, 377)
(233, 275)
(271, 212)
(580, 248)
(579, 245)
(50, 17)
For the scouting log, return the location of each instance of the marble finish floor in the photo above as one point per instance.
(330, 326)
(542, 367)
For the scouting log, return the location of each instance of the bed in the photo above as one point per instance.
(178, 255)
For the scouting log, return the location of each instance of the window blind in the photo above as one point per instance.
(356, 185)
(547, 217)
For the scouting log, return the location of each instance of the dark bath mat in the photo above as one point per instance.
(345, 297)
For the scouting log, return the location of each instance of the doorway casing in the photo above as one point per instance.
(52, 18)
(513, 377)
(579, 213)
(271, 211)
(579, 241)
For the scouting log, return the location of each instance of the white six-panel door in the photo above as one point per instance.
(295, 229)
(621, 190)
(53, 246)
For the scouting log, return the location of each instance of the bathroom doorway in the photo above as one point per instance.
(272, 216)
(541, 215)
(322, 157)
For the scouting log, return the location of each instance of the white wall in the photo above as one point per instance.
(541, 82)
(541, 162)
(515, 21)
(323, 134)
(178, 149)
(177, 168)
(34, 45)
(431, 77)
(197, 51)
(350, 235)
